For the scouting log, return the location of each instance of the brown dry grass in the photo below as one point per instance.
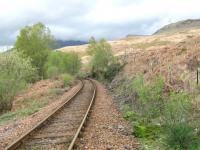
(168, 55)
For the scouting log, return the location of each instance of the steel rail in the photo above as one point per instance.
(85, 117)
(18, 141)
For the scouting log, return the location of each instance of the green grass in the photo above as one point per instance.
(32, 107)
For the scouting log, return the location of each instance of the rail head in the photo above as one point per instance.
(18, 141)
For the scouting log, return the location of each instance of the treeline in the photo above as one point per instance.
(32, 59)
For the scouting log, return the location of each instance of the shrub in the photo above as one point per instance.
(140, 129)
(182, 136)
(180, 132)
(150, 97)
(112, 71)
(15, 73)
(129, 114)
(146, 131)
(177, 108)
(67, 79)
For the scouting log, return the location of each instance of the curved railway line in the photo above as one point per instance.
(60, 129)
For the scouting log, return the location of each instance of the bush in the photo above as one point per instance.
(140, 129)
(112, 71)
(182, 136)
(177, 108)
(146, 131)
(67, 79)
(129, 114)
(150, 97)
(15, 73)
(181, 132)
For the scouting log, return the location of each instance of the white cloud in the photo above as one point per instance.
(80, 19)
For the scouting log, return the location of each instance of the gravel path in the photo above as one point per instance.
(106, 128)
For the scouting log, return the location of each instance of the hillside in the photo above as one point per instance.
(180, 26)
(171, 55)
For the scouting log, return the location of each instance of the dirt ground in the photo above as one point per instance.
(106, 128)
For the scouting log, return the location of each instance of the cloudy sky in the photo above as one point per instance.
(81, 19)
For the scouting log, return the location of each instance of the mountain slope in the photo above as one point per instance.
(180, 26)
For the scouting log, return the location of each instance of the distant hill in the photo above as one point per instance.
(181, 25)
(62, 43)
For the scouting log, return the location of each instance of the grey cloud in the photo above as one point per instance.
(73, 20)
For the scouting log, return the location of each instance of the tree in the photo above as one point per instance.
(35, 42)
(91, 46)
(15, 73)
(60, 62)
(102, 57)
(72, 63)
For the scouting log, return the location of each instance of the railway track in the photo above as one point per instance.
(62, 127)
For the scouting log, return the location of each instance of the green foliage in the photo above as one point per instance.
(150, 97)
(15, 73)
(59, 62)
(164, 119)
(177, 108)
(32, 107)
(92, 46)
(103, 60)
(182, 136)
(146, 131)
(55, 64)
(35, 42)
(52, 71)
(72, 63)
(112, 71)
(181, 132)
(129, 114)
(67, 79)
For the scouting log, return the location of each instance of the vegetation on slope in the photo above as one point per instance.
(32, 59)
(160, 118)
(35, 42)
(103, 63)
(15, 73)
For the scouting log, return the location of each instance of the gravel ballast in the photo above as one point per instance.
(106, 129)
